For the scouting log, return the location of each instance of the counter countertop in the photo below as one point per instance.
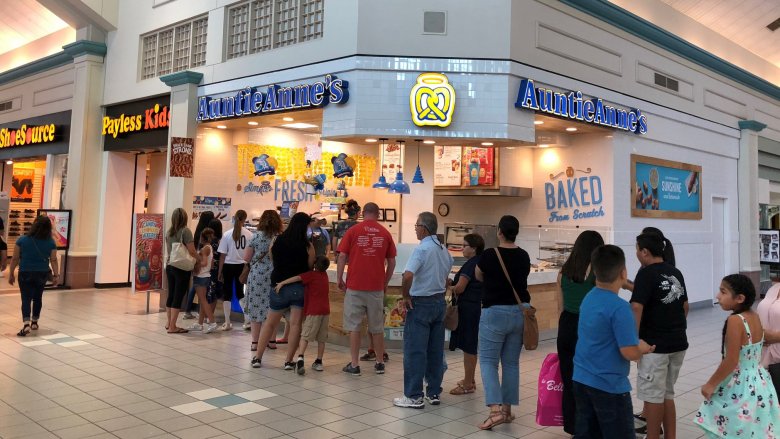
(544, 276)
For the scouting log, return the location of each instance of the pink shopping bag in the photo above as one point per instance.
(549, 405)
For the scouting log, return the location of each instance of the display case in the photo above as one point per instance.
(550, 246)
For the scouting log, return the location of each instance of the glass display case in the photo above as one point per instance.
(549, 246)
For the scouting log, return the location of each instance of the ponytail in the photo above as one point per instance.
(239, 216)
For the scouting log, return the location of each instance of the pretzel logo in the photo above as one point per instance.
(432, 100)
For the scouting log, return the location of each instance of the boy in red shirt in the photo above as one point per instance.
(316, 311)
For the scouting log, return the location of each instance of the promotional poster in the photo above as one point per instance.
(181, 157)
(60, 226)
(148, 251)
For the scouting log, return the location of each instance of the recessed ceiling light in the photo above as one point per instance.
(253, 123)
(538, 122)
(544, 146)
(487, 143)
(571, 129)
(288, 119)
(429, 142)
(371, 140)
(299, 125)
(222, 127)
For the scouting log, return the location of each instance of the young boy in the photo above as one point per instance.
(316, 310)
(608, 341)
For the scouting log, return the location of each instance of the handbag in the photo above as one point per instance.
(531, 326)
(49, 273)
(244, 276)
(549, 403)
(451, 314)
(180, 256)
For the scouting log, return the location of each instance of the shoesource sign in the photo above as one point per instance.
(572, 105)
(253, 100)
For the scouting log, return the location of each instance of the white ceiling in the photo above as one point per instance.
(24, 21)
(741, 21)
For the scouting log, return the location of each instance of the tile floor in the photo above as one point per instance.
(131, 380)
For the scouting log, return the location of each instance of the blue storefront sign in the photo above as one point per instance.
(574, 106)
(254, 100)
(665, 189)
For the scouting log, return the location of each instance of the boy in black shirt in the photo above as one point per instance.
(660, 306)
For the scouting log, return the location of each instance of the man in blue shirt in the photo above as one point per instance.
(608, 341)
(424, 284)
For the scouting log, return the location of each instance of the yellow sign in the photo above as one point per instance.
(27, 135)
(432, 100)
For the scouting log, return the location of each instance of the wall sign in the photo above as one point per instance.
(574, 106)
(28, 135)
(252, 100)
(148, 243)
(181, 157)
(664, 188)
(432, 100)
(138, 125)
(571, 197)
(152, 118)
(769, 246)
(465, 167)
(219, 206)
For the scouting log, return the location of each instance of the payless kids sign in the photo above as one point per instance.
(572, 105)
(255, 100)
(152, 118)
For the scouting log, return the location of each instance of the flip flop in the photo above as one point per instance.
(34, 326)
(281, 341)
(271, 345)
(178, 331)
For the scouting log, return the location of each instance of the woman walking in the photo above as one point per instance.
(178, 278)
(33, 254)
(504, 275)
(231, 263)
(259, 281)
(292, 254)
(575, 280)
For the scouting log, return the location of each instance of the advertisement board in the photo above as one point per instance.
(665, 189)
(465, 167)
(148, 251)
(181, 157)
(219, 206)
(60, 226)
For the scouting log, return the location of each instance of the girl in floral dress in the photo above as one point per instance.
(740, 399)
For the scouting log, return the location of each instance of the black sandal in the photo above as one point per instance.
(34, 325)
(253, 348)
(25, 330)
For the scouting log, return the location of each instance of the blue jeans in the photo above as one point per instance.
(31, 285)
(424, 346)
(602, 414)
(290, 295)
(500, 340)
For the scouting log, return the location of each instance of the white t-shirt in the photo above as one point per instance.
(234, 251)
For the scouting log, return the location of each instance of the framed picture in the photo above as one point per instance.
(769, 246)
(381, 215)
(665, 189)
(389, 215)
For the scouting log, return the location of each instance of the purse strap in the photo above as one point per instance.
(257, 259)
(39, 250)
(506, 273)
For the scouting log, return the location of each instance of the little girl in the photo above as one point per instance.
(202, 279)
(740, 398)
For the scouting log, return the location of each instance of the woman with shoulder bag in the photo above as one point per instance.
(503, 272)
(231, 263)
(180, 245)
(259, 280)
(33, 254)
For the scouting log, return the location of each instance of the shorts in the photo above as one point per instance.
(291, 295)
(656, 375)
(203, 282)
(358, 304)
(315, 328)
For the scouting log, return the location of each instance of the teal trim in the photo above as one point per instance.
(752, 125)
(85, 47)
(180, 78)
(620, 18)
(37, 66)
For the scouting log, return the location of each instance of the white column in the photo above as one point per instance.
(747, 182)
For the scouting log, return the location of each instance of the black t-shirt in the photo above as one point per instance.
(3, 245)
(495, 288)
(473, 291)
(660, 288)
(288, 260)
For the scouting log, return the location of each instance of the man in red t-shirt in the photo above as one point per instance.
(368, 246)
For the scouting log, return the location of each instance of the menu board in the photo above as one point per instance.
(665, 189)
(391, 159)
(465, 167)
(769, 246)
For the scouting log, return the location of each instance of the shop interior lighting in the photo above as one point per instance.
(538, 122)
(382, 183)
(253, 123)
(571, 129)
(371, 140)
(418, 177)
(222, 127)
(399, 186)
(487, 143)
(288, 119)
(9, 162)
(429, 142)
(544, 146)
(299, 125)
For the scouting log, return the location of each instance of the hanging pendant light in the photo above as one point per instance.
(418, 177)
(382, 183)
(399, 186)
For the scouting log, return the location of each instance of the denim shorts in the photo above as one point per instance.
(290, 296)
(201, 281)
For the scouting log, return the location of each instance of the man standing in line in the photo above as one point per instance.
(371, 252)
(424, 285)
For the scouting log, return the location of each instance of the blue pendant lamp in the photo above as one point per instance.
(399, 186)
(382, 183)
(418, 178)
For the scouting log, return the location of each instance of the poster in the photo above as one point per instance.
(148, 243)
(395, 317)
(769, 246)
(446, 166)
(391, 160)
(181, 157)
(289, 208)
(22, 185)
(478, 167)
(219, 206)
(60, 226)
(665, 189)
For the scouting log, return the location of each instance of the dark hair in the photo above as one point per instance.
(577, 264)
(294, 236)
(239, 216)
(321, 263)
(607, 262)
(476, 242)
(668, 253)
(216, 226)
(652, 243)
(207, 234)
(352, 208)
(509, 227)
(270, 223)
(738, 284)
(41, 228)
(203, 222)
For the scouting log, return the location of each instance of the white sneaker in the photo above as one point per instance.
(247, 326)
(196, 327)
(210, 328)
(227, 326)
(406, 402)
(188, 316)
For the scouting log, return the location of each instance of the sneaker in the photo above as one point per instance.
(640, 426)
(409, 403)
(368, 356)
(256, 362)
(379, 368)
(227, 326)
(247, 326)
(433, 399)
(300, 368)
(289, 365)
(317, 365)
(351, 370)
(196, 327)
(385, 357)
(209, 328)
(188, 316)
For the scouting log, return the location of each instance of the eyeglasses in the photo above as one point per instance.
(419, 225)
(465, 245)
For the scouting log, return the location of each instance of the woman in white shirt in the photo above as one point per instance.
(231, 262)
